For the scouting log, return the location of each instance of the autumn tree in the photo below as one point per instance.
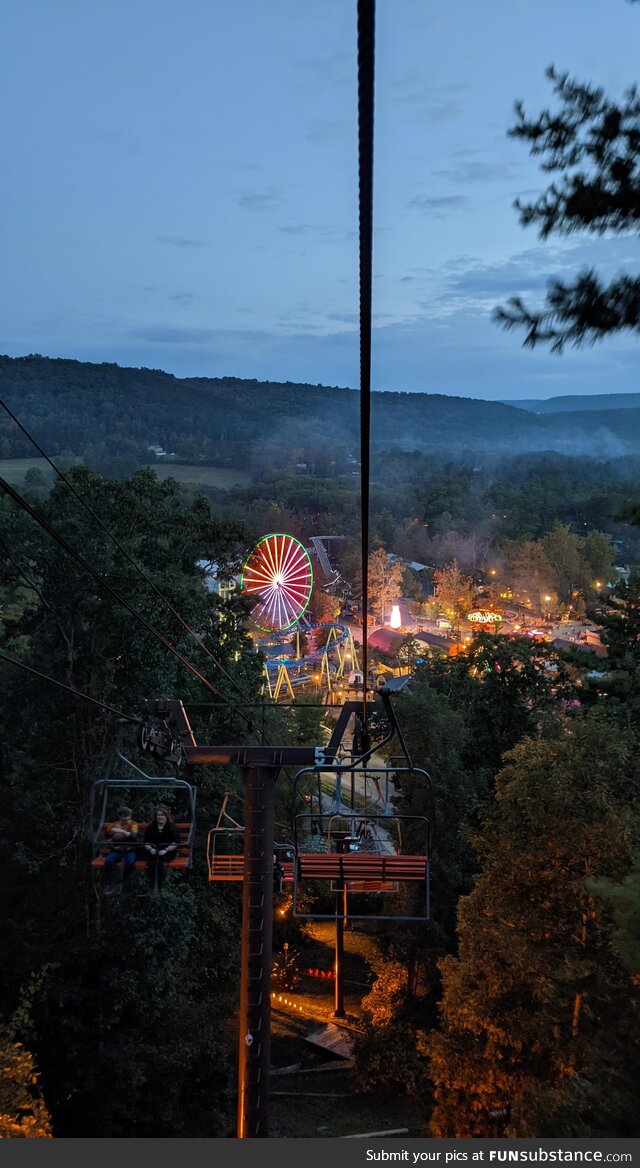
(539, 1031)
(23, 1114)
(324, 606)
(385, 581)
(454, 591)
(387, 1056)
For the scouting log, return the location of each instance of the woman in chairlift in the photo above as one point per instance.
(161, 840)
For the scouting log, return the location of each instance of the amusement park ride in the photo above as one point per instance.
(278, 575)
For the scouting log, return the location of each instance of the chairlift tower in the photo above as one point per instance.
(260, 767)
(169, 733)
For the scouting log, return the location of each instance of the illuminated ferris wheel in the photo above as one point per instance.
(278, 572)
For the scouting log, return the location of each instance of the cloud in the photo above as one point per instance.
(323, 233)
(438, 206)
(298, 229)
(180, 241)
(434, 104)
(465, 173)
(326, 131)
(467, 283)
(183, 298)
(174, 335)
(463, 354)
(260, 200)
(343, 317)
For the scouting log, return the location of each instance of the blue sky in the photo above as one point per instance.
(180, 187)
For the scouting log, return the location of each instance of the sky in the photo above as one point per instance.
(180, 188)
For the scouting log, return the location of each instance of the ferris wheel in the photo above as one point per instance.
(278, 572)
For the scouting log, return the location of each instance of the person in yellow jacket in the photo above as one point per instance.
(123, 835)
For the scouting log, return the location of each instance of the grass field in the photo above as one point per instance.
(14, 470)
(211, 476)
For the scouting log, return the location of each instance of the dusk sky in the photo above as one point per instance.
(180, 188)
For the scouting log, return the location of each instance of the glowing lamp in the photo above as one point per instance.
(395, 620)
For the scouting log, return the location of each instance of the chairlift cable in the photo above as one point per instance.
(76, 692)
(15, 495)
(366, 61)
(17, 498)
(223, 700)
(125, 553)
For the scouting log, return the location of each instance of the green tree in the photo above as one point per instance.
(621, 635)
(35, 480)
(119, 976)
(530, 572)
(563, 552)
(591, 144)
(454, 591)
(502, 687)
(599, 556)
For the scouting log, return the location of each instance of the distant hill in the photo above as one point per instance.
(580, 403)
(110, 417)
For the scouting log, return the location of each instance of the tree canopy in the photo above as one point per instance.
(592, 144)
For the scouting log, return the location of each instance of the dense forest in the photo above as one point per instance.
(101, 999)
(110, 416)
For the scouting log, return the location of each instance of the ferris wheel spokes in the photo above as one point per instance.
(278, 571)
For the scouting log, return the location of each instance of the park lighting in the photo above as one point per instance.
(395, 619)
(598, 583)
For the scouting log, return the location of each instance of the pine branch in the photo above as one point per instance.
(576, 314)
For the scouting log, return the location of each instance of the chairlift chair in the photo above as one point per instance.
(225, 847)
(162, 787)
(225, 850)
(358, 868)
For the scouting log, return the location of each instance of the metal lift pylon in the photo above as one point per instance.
(260, 767)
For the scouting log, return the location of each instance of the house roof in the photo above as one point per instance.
(385, 640)
(396, 684)
(434, 641)
(563, 643)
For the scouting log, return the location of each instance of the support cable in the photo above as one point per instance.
(94, 515)
(76, 692)
(366, 61)
(17, 498)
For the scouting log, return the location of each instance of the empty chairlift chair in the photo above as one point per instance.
(362, 853)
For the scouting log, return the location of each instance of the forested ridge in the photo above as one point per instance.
(109, 416)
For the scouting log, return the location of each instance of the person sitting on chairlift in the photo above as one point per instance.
(161, 841)
(123, 835)
(278, 874)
